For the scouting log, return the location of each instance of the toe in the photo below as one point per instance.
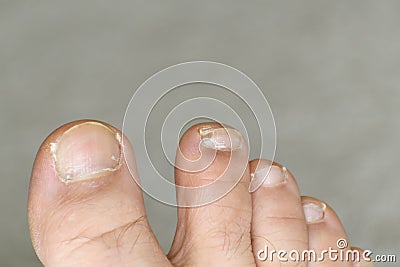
(361, 258)
(278, 220)
(327, 237)
(84, 207)
(213, 161)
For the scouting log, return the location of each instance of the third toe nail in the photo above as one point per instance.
(314, 212)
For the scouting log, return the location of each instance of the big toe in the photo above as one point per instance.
(84, 207)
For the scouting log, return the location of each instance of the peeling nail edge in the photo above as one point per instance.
(206, 133)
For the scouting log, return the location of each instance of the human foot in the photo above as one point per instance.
(86, 210)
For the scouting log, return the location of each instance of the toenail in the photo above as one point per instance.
(85, 151)
(224, 139)
(269, 176)
(314, 212)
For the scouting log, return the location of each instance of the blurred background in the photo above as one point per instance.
(330, 70)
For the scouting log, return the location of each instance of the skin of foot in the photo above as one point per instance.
(85, 209)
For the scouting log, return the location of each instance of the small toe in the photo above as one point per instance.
(327, 237)
(361, 258)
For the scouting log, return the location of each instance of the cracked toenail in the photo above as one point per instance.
(314, 212)
(224, 139)
(85, 151)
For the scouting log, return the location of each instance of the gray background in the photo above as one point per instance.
(330, 70)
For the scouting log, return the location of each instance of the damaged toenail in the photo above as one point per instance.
(269, 176)
(224, 139)
(87, 150)
(314, 212)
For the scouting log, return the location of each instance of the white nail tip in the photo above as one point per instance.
(224, 139)
(53, 149)
(118, 137)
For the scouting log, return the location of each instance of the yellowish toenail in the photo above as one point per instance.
(85, 151)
